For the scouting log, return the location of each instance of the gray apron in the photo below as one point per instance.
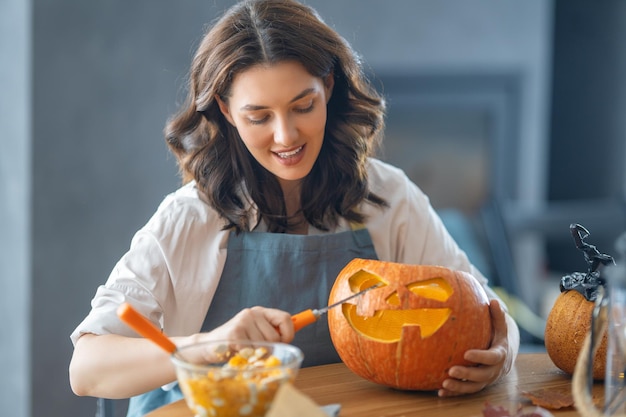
(277, 270)
(288, 272)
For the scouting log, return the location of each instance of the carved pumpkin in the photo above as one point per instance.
(408, 332)
(567, 325)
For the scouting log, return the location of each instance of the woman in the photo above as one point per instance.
(275, 146)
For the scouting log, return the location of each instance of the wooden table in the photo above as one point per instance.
(335, 383)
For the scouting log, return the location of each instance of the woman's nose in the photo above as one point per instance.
(285, 132)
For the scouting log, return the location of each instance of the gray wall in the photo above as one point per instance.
(15, 207)
(89, 117)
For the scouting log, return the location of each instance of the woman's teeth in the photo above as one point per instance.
(289, 154)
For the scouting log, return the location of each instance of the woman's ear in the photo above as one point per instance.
(329, 83)
(224, 109)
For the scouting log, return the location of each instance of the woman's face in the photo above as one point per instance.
(280, 114)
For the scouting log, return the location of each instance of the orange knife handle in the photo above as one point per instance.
(144, 327)
(303, 319)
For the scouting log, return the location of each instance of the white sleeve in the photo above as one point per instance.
(133, 279)
(173, 266)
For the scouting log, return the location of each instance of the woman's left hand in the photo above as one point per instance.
(490, 364)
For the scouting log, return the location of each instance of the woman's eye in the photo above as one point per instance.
(258, 121)
(305, 109)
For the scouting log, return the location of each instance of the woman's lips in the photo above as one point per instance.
(290, 157)
(289, 154)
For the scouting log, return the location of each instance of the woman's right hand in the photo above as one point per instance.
(255, 323)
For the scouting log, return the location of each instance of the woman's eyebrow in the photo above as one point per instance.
(253, 107)
(305, 93)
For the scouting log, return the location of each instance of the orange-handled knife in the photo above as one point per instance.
(310, 316)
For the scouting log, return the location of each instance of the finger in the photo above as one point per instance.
(454, 387)
(271, 332)
(483, 374)
(497, 351)
(498, 319)
(274, 324)
(243, 326)
(286, 331)
(490, 357)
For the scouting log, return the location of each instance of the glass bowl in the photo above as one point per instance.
(234, 377)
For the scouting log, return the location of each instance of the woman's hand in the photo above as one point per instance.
(255, 323)
(490, 364)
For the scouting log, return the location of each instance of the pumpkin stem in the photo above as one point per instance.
(586, 283)
(593, 257)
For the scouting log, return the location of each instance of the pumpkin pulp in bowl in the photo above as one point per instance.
(234, 378)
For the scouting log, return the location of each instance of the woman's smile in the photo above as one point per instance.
(291, 157)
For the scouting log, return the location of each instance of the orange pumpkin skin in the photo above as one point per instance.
(567, 325)
(411, 362)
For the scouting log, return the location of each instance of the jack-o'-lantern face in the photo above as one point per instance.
(386, 322)
(407, 332)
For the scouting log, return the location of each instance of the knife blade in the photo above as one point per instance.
(310, 316)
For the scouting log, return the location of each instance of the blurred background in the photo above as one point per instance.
(508, 113)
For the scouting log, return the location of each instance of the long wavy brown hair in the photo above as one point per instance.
(209, 150)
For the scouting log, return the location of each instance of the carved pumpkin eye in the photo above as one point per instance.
(408, 332)
(386, 325)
